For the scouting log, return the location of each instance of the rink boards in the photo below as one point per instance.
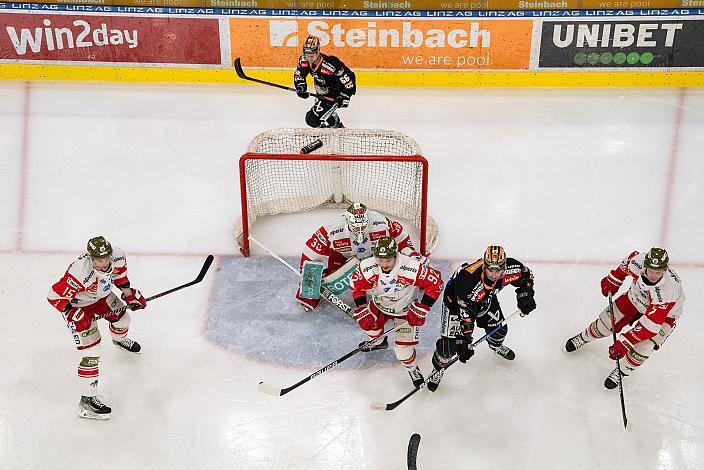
(572, 48)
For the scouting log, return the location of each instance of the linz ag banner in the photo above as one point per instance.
(112, 39)
(622, 44)
(391, 44)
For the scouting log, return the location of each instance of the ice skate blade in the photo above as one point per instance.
(90, 415)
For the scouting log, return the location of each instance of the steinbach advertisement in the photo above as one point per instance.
(111, 39)
(675, 42)
(418, 44)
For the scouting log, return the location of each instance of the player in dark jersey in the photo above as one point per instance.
(470, 299)
(332, 79)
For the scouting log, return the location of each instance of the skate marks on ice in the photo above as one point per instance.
(254, 313)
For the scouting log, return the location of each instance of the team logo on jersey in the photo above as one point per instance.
(387, 286)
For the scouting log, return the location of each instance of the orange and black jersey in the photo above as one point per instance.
(331, 76)
(469, 295)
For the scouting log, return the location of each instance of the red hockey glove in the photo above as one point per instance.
(416, 314)
(135, 300)
(80, 318)
(610, 284)
(366, 318)
(617, 351)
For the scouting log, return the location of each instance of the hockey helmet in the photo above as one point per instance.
(656, 258)
(386, 248)
(312, 45)
(357, 218)
(494, 258)
(99, 247)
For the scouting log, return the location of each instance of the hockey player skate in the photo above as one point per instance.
(128, 345)
(93, 408)
(375, 345)
(574, 343)
(504, 351)
(612, 380)
(434, 379)
(416, 376)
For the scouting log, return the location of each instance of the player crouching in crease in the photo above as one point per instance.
(651, 306)
(332, 79)
(391, 279)
(470, 298)
(334, 251)
(85, 291)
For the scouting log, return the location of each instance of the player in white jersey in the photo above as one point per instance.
(650, 308)
(85, 291)
(393, 279)
(340, 244)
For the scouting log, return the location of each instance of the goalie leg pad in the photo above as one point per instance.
(338, 281)
(311, 279)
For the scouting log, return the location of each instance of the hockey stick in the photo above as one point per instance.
(201, 275)
(412, 456)
(366, 345)
(240, 73)
(618, 365)
(324, 291)
(379, 406)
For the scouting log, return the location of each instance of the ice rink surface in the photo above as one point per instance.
(569, 181)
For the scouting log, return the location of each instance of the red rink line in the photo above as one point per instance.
(672, 168)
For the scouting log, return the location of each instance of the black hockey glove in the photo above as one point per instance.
(302, 92)
(342, 100)
(525, 300)
(464, 349)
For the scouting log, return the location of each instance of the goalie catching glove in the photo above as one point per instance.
(416, 314)
(135, 300)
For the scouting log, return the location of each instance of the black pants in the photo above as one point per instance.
(314, 115)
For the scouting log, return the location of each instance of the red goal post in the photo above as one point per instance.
(380, 168)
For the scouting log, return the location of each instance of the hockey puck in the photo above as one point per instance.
(315, 145)
(413, 444)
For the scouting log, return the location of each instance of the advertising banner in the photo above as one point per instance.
(396, 44)
(622, 44)
(112, 39)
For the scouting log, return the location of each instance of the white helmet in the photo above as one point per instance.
(357, 220)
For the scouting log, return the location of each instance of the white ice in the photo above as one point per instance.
(569, 181)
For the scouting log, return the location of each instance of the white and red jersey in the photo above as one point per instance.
(334, 241)
(658, 303)
(392, 293)
(82, 285)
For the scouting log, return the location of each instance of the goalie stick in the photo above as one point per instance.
(201, 275)
(379, 406)
(324, 292)
(626, 425)
(240, 73)
(365, 346)
(412, 456)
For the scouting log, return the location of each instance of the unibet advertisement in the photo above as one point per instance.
(622, 44)
(386, 44)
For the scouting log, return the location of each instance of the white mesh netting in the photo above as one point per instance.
(351, 166)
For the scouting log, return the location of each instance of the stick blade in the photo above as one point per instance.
(238, 69)
(269, 389)
(412, 456)
(206, 266)
(378, 406)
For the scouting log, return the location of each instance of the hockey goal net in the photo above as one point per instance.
(380, 168)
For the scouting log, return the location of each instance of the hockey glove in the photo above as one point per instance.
(416, 314)
(342, 100)
(80, 318)
(135, 300)
(525, 300)
(302, 92)
(366, 318)
(464, 349)
(610, 284)
(617, 351)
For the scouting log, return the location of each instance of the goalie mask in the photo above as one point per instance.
(357, 221)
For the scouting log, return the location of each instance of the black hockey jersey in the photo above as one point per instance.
(331, 76)
(469, 295)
